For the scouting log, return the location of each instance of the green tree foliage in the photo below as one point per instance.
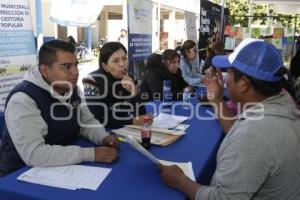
(239, 10)
(288, 20)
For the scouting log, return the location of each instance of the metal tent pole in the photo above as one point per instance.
(39, 23)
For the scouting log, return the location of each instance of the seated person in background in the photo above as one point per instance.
(44, 116)
(71, 40)
(110, 92)
(297, 93)
(189, 63)
(123, 38)
(259, 156)
(295, 66)
(160, 68)
(216, 49)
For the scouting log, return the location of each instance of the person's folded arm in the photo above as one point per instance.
(27, 129)
(90, 127)
(138, 106)
(191, 78)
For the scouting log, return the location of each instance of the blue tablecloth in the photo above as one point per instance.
(133, 176)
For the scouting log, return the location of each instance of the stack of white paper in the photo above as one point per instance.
(186, 167)
(164, 120)
(69, 177)
(179, 130)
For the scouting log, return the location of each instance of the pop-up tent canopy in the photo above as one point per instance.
(283, 6)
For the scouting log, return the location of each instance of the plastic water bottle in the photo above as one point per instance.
(146, 133)
(186, 98)
(167, 94)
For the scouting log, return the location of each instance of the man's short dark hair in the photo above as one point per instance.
(47, 52)
(263, 88)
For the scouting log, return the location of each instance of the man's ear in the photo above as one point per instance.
(44, 70)
(244, 84)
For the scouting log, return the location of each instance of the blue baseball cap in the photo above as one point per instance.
(254, 57)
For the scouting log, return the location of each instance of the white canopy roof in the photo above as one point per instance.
(75, 12)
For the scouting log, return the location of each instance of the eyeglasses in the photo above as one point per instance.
(68, 66)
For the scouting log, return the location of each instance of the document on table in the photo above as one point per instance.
(179, 130)
(186, 167)
(160, 139)
(68, 177)
(168, 121)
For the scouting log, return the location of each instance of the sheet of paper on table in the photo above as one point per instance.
(68, 177)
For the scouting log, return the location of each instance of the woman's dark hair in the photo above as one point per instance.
(266, 88)
(218, 48)
(295, 66)
(187, 45)
(108, 49)
(47, 52)
(154, 60)
(169, 54)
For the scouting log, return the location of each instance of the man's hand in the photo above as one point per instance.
(128, 84)
(214, 84)
(190, 88)
(171, 175)
(111, 141)
(174, 177)
(105, 154)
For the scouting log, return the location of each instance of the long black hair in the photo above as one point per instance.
(108, 49)
(295, 66)
(157, 60)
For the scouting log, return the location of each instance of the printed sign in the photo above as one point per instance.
(190, 24)
(210, 22)
(140, 29)
(17, 45)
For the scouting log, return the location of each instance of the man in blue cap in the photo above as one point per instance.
(259, 157)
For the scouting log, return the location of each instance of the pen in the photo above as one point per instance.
(122, 139)
(173, 127)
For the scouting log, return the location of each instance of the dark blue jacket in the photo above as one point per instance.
(60, 132)
(112, 106)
